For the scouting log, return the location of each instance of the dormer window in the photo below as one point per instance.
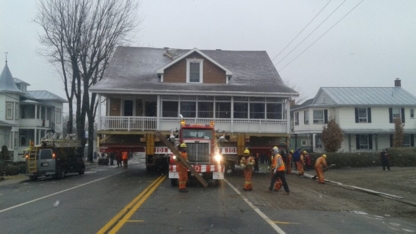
(194, 71)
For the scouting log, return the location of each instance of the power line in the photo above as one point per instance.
(301, 30)
(322, 35)
(312, 32)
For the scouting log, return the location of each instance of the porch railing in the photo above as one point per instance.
(133, 123)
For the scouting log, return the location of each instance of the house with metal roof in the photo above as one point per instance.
(26, 115)
(147, 89)
(365, 115)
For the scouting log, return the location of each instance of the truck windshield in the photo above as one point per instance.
(45, 154)
(197, 133)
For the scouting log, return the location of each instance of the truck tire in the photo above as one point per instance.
(33, 178)
(173, 182)
(81, 171)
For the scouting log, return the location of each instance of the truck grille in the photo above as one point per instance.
(198, 152)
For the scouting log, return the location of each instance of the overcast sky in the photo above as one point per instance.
(336, 43)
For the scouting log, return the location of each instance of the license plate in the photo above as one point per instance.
(218, 175)
(45, 164)
(173, 175)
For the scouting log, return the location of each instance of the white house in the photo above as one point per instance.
(26, 115)
(365, 115)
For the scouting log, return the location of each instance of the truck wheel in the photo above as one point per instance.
(173, 182)
(33, 178)
(82, 171)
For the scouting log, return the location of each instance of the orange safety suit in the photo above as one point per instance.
(248, 171)
(182, 172)
(319, 168)
(300, 164)
(289, 163)
(124, 158)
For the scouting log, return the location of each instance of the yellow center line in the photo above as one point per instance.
(279, 222)
(118, 218)
(134, 221)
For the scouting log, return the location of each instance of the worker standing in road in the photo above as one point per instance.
(182, 169)
(385, 160)
(320, 166)
(247, 163)
(300, 164)
(278, 170)
(288, 163)
(124, 158)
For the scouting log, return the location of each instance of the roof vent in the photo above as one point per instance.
(397, 83)
(171, 53)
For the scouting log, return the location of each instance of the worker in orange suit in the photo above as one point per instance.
(278, 171)
(301, 163)
(124, 158)
(320, 165)
(288, 163)
(182, 169)
(247, 163)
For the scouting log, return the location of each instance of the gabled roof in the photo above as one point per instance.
(44, 95)
(19, 81)
(369, 96)
(133, 70)
(161, 70)
(7, 84)
(305, 103)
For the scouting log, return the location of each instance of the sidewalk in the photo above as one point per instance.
(13, 179)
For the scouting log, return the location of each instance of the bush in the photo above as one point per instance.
(21, 166)
(399, 157)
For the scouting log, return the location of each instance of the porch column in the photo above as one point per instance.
(36, 111)
(158, 106)
(99, 112)
(287, 116)
(232, 114)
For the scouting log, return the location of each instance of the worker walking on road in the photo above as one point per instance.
(247, 163)
(182, 169)
(278, 170)
(300, 163)
(385, 160)
(288, 163)
(124, 157)
(320, 166)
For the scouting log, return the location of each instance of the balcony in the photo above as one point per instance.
(133, 123)
(34, 123)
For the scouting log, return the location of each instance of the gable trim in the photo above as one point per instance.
(162, 70)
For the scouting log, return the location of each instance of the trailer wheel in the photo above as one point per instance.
(33, 178)
(173, 182)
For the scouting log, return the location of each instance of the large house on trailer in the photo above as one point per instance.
(151, 89)
(365, 115)
(25, 115)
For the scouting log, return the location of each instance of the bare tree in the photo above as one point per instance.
(80, 37)
(398, 133)
(302, 97)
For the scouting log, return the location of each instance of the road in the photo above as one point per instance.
(111, 199)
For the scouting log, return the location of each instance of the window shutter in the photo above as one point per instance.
(326, 116)
(369, 114)
(356, 115)
(357, 141)
(391, 115)
(370, 141)
(391, 140)
(402, 115)
(412, 140)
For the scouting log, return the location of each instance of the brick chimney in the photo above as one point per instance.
(397, 82)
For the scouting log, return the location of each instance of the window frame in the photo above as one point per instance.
(172, 106)
(412, 113)
(306, 117)
(9, 110)
(297, 118)
(362, 118)
(318, 141)
(188, 70)
(58, 115)
(318, 121)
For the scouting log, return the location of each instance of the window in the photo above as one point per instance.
(188, 109)
(296, 118)
(194, 71)
(9, 110)
(318, 117)
(406, 140)
(197, 133)
(223, 110)
(303, 142)
(58, 115)
(256, 110)
(363, 115)
(16, 110)
(412, 113)
(240, 110)
(318, 141)
(205, 109)
(274, 111)
(128, 108)
(363, 141)
(170, 109)
(306, 117)
(396, 112)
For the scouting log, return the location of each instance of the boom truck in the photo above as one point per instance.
(202, 149)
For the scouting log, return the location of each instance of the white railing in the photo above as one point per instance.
(133, 123)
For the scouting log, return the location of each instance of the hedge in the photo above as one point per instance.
(399, 157)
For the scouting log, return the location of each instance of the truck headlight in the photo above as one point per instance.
(218, 157)
(174, 157)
